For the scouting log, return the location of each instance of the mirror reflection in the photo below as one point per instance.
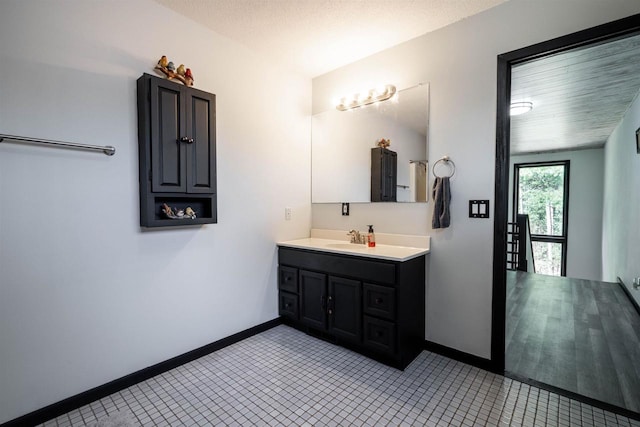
(344, 143)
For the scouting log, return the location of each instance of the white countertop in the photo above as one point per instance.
(388, 252)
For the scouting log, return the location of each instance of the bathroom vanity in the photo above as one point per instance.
(371, 300)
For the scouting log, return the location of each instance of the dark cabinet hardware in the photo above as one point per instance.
(187, 140)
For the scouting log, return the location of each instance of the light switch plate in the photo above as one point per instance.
(478, 209)
(345, 209)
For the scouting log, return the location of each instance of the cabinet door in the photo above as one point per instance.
(168, 154)
(201, 142)
(313, 299)
(384, 169)
(390, 168)
(344, 308)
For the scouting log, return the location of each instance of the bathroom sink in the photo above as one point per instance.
(348, 246)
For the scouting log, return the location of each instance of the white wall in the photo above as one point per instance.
(584, 236)
(621, 207)
(85, 296)
(459, 62)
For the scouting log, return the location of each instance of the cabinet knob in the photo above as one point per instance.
(287, 279)
(379, 334)
(287, 305)
(187, 140)
(378, 300)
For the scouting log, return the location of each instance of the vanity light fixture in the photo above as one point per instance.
(522, 107)
(366, 98)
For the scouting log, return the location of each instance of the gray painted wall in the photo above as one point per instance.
(584, 236)
(621, 208)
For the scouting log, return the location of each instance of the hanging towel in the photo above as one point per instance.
(441, 198)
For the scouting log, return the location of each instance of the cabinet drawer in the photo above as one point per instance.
(380, 301)
(288, 305)
(380, 335)
(288, 279)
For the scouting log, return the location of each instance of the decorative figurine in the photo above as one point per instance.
(179, 213)
(384, 143)
(163, 62)
(190, 213)
(167, 211)
(188, 77)
(168, 69)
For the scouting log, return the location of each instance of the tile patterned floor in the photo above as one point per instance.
(283, 377)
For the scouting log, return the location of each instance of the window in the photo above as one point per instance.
(542, 192)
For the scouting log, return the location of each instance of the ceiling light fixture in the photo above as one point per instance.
(522, 107)
(366, 98)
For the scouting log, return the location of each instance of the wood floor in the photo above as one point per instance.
(579, 335)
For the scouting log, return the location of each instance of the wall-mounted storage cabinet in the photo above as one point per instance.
(177, 152)
(384, 175)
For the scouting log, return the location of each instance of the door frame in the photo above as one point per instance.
(599, 34)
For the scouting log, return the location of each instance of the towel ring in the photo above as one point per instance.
(447, 160)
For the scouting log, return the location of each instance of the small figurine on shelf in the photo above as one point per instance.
(383, 143)
(163, 62)
(179, 213)
(190, 213)
(168, 211)
(168, 69)
(188, 77)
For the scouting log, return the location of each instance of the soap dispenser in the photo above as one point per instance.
(371, 237)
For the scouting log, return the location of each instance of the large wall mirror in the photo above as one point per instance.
(342, 142)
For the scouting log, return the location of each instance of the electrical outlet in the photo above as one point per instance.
(287, 214)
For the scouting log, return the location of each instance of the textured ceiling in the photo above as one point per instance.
(579, 96)
(318, 36)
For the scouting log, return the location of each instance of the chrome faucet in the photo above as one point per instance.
(356, 237)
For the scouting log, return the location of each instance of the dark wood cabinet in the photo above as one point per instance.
(376, 307)
(329, 303)
(313, 299)
(384, 175)
(177, 152)
(343, 308)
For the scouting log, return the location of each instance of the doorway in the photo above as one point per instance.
(601, 34)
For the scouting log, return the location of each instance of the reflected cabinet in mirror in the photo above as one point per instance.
(347, 163)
